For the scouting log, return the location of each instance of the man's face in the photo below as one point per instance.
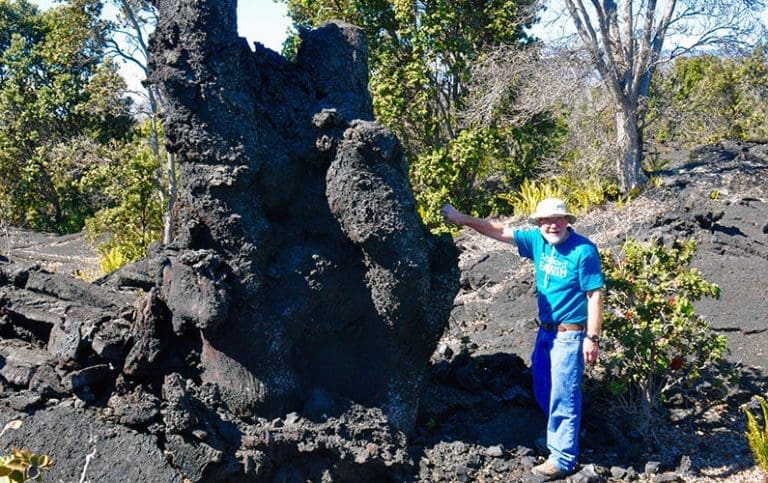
(554, 229)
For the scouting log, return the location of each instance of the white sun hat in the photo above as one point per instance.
(551, 208)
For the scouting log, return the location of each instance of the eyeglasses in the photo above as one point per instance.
(553, 221)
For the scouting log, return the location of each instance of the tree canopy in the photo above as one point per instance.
(708, 97)
(56, 91)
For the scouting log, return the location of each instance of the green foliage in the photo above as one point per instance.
(111, 258)
(132, 216)
(55, 89)
(531, 193)
(654, 340)
(579, 194)
(653, 163)
(475, 166)
(708, 98)
(585, 193)
(757, 436)
(420, 54)
(23, 465)
(420, 59)
(450, 174)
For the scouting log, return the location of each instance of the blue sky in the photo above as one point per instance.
(262, 21)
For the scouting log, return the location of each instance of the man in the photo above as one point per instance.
(569, 283)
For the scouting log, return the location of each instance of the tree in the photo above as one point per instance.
(625, 42)
(55, 90)
(421, 58)
(128, 40)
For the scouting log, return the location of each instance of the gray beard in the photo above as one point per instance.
(553, 239)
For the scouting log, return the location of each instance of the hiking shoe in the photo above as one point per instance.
(549, 472)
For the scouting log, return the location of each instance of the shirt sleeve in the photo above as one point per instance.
(591, 274)
(524, 243)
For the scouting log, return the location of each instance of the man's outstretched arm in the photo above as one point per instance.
(493, 229)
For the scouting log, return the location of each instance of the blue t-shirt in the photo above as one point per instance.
(564, 273)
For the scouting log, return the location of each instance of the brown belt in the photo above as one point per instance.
(552, 327)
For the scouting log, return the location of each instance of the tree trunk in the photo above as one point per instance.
(629, 142)
(645, 409)
(170, 200)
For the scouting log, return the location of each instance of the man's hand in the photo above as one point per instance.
(591, 349)
(450, 214)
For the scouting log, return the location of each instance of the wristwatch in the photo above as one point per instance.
(594, 338)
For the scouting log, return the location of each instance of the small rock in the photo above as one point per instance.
(291, 419)
(445, 351)
(587, 474)
(631, 474)
(89, 376)
(668, 477)
(685, 465)
(495, 451)
(23, 400)
(618, 473)
(524, 451)
(652, 467)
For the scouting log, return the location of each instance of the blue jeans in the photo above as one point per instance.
(558, 366)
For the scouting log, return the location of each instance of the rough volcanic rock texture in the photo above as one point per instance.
(299, 256)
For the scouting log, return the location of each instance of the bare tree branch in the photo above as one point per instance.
(626, 49)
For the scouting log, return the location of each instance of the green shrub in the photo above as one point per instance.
(450, 174)
(23, 465)
(580, 195)
(524, 200)
(653, 163)
(132, 219)
(477, 164)
(584, 193)
(111, 258)
(705, 98)
(653, 339)
(758, 436)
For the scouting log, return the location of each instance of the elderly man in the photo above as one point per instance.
(569, 282)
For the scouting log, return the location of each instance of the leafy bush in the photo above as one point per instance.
(59, 101)
(23, 465)
(583, 193)
(654, 341)
(530, 194)
(708, 98)
(580, 195)
(472, 168)
(758, 436)
(132, 217)
(111, 258)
